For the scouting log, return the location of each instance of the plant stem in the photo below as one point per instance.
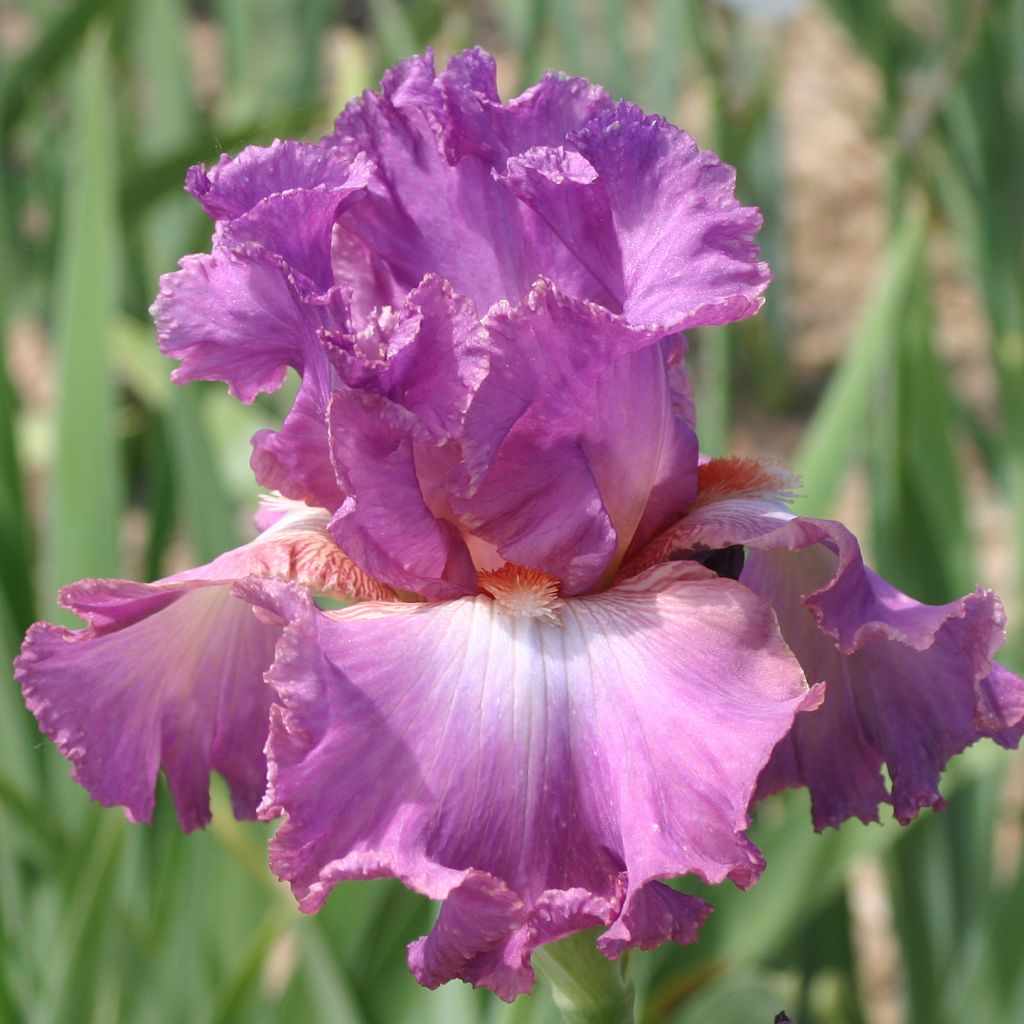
(588, 988)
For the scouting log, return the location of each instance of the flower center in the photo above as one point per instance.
(520, 591)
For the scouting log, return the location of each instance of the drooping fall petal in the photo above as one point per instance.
(517, 764)
(908, 685)
(167, 675)
(170, 674)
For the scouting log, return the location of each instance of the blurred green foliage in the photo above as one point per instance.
(105, 469)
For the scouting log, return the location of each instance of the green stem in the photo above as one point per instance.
(588, 989)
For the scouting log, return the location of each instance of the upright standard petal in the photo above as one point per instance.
(423, 214)
(298, 225)
(394, 436)
(170, 674)
(567, 438)
(909, 685)
(536, 769)
(234, 185)
(240, 316)
(479, 124)
(433, 205)
(652, 216)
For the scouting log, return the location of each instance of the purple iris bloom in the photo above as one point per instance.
(577, 653)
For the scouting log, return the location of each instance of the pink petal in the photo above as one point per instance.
(393, 440)
(297, 225)
(912, 692)
(238, 315)
(562, 186)
(479, 124)
(296, 460)
(170, 674)
(385, 522)
(652, 216)
(234, 185)
(540, 773)
(567, 438)
(909, 685)
(434, 206)
(171, 677)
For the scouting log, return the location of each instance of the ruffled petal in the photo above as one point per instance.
(296, 460)
(479, 124)
(422, 214)
(470, 939)
(239, 316)
(412, 376)
(385, 522)
(298, 225)
(364, 277)
(562, 186)
(539, 772)
(429, 357)
(435, 206)
(909, 684)
(171, 677)
(234, 185)
(567, 438)
(652, 216)
(901, 698)
(170, 674)
(656, 914)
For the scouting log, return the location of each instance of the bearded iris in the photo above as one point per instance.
(578, 652)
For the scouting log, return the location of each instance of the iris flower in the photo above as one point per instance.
(576, 653)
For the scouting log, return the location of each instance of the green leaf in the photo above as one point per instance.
(86, 500)
(919, 525)
(16, 589)
(332, 994)
(836, 432)
(59, 42)
(90, 878)
(394, 30)
(713, 388)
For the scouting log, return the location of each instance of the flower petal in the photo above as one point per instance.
(909, 685)
(563, 187)
(238, 315)
(234, 185)
(568, 436)
(652, 216)
(479, 124)
(363, 276)
(298, 225)
(172, 677)
(528, 767)
(170, 674)
(385, 522)
(655, 915)
(296, 460)
(435, 206)
(422, 214)
(903, 697)
(416, 372)
(429, 357)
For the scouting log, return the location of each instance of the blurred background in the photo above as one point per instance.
(884, 142)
